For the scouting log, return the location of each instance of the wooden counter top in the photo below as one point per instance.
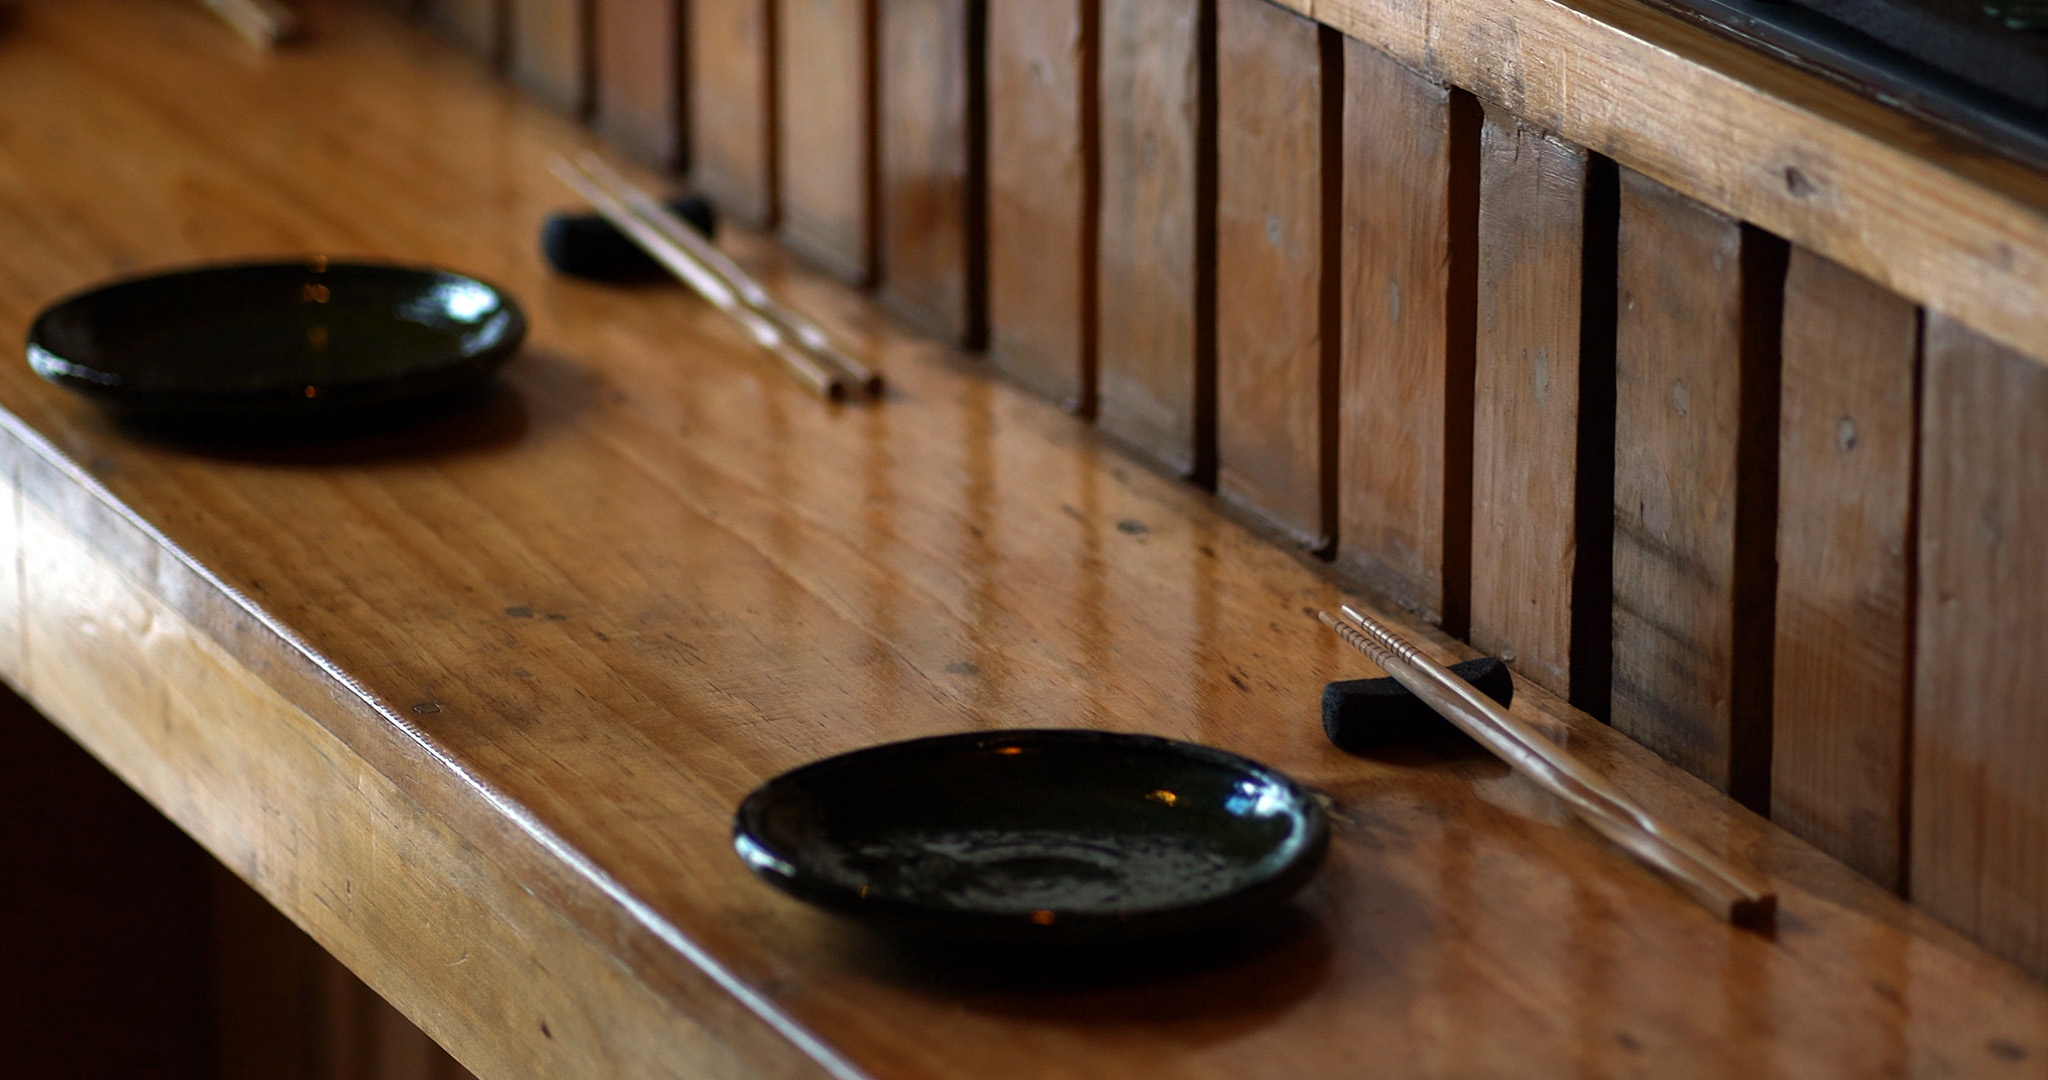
(473, 703)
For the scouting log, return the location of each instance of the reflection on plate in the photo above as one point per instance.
(276, 340)
(1035, 836)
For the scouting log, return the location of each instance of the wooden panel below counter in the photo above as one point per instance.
(474, 700)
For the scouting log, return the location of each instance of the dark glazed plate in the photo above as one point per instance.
(1022, 836)
(276, 341)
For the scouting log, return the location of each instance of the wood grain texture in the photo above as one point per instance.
(338, 665)
(1905, 204)
(478, 26)
(549, 51)
(1276, 346)
(637, 101)
(933, 259)
(1405, 443)
(1543, 360)
(1688, 366)
(1980, 828)
(1155, 338)
(732, 106)
(826, 74)
(1041, 196)
(1842, 705)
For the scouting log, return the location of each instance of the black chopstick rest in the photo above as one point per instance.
(1365, 714)
(589, 247)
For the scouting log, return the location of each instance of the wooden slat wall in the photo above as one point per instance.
(1694, 361)
(637, 87)
(549, 51)
(1277, 82)
(1156, 384)
(826, 73)
(1544, 410)
(732, 106)
(1410, 205)
(1980, 721)
(150, 959)
(933, 233)
(1041, 196)
(1845, 554)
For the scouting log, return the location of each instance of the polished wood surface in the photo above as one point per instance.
(1843, 670)
(1155, 338)
(1543, 359)
(1276, 314)
(1408, 230)
(473, 701)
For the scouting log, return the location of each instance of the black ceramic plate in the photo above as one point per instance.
(1014, 836)
(276, 340)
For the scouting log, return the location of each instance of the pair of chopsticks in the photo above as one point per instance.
(1737, 894)
(805, 350)
(263, 22)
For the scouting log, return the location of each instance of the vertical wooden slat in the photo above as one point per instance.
(476, 25)
(826, 65)
(1277, 101)
(637, 94)
(1041, 192)
(1845, 544)
(1404, 473)
(1543, 397)
(1694, 484)
(1980, 721)
(549, 51)
(933, 259)
(732, 108)
(1155, 333)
